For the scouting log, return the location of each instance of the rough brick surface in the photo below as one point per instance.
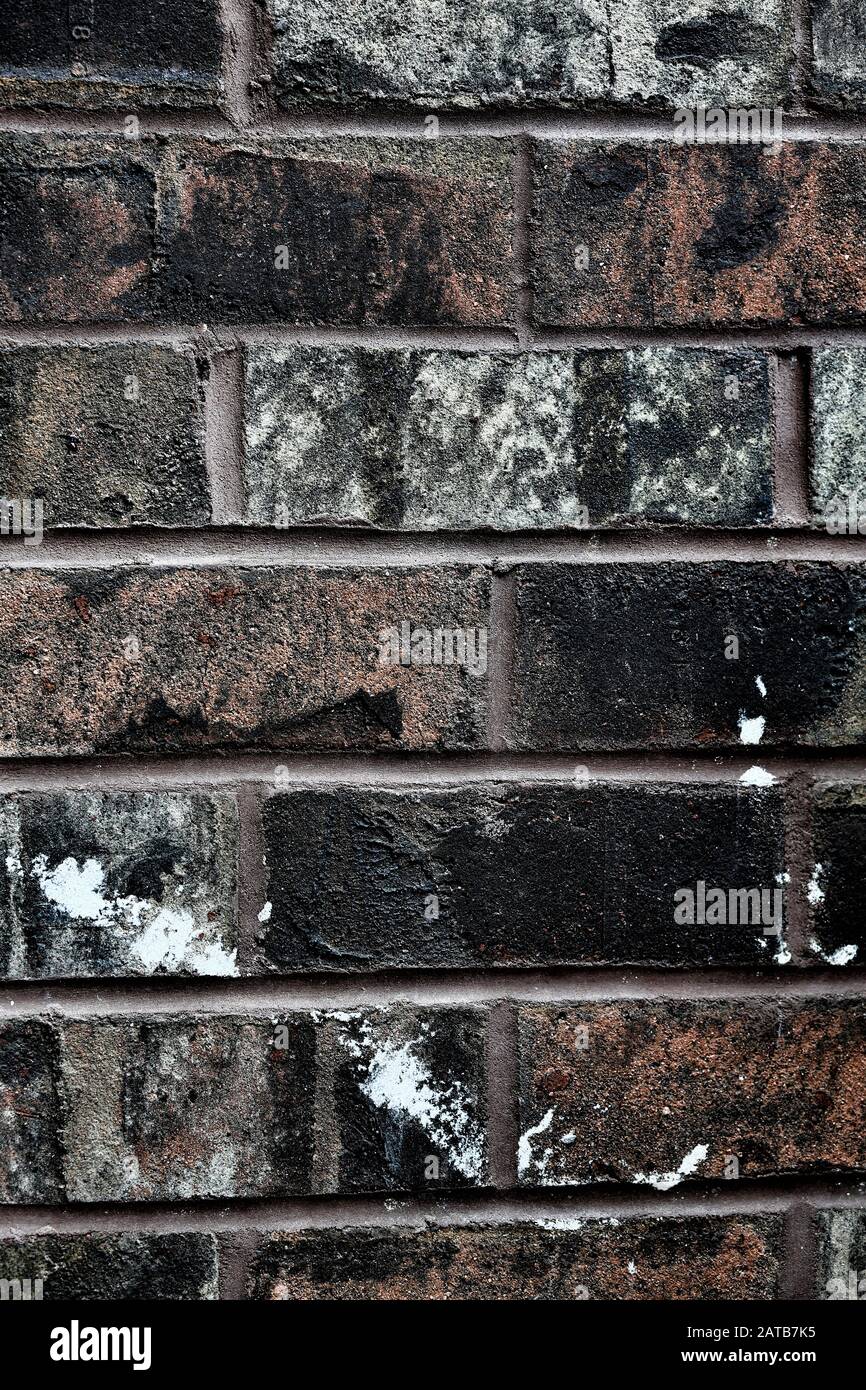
(631, 656)
(181, 1265)
(53, 52)
(166, 1109)
(505, 875)
(699, 234)
(838, 77)
(30, 1112)
(660, 1092)
(837, 886)
(211, 658)
(76, 230)
(838, 445)
(725, 1257)
(341, 231)
(842, 1255)
(118, 883)
(517, 53)
(414, 440)
(106, 437)
(408, 1100)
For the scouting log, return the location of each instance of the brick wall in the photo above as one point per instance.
(433, 633)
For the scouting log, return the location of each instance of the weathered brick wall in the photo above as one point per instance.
(331, 966)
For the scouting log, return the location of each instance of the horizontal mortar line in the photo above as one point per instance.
(218, 336)
(283, 769)
(253, 547)
(744, 1195)
(140, 997)
(551, 122)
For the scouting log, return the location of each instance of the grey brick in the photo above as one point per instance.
(472, 53)
(170, 1109)
(180, 1265)
(427, 440)
(106, 437)
(118, 883)
(31, 1157)
(841, 1255)
(514, 875)
(838, 73)
(838, 447)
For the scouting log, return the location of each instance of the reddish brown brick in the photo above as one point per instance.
(149, 659)
(700, 234)
(687, 1257)
(661, 1091)
(327, 231)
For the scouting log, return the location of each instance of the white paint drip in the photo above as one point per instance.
(752, 730)
(663, 1181)
(757, 777)
(167, 938)
(814, 891)
(525, 1157)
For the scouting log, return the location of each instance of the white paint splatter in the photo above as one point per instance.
(265, 914)
(664, 1181)
(632, 1267)
(396, 1079)
(752, 730)
(814, 891)
(164, 938)
(762, 689)
(757, 777)
(843, 956)
(783, 955)
(525, 1156)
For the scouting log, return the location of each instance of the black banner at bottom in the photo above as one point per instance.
(157, 1339)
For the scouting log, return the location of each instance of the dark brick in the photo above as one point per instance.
(107, 437)
(516, 53)
(661, 1092)
(700, 234)
(211, 658)
(171, 1109)
(77, 230)
(669, 1258)
(837, 886)
(322, 231)
(437, 440)
(409, 1100)
(182, 1265)
(118, 883)
(373, 231)
(631, 656)
(513, 875)
(30, 1113)
(77, 53)
(841, 1255)
(838, 72)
